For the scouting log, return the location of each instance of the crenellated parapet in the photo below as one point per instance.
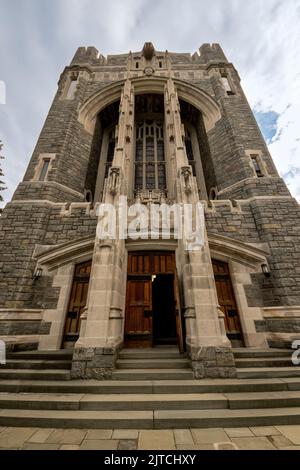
(88, 55)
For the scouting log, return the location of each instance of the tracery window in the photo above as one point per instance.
(110, 150)
(189, 151)
(150, 167)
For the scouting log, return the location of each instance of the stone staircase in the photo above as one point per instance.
(149, 389)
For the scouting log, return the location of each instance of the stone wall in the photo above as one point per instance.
(250, 209)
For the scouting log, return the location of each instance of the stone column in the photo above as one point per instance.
(101, 333)
(207, 344)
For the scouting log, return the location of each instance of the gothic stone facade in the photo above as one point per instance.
(150, 125)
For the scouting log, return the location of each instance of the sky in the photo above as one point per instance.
(38, 38)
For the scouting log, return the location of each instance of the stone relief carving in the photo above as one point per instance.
(114, 180)
(148, 71)
(186, 173)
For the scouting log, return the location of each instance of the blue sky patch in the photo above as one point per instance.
(268, 123)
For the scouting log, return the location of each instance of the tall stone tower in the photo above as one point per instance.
(155, 127)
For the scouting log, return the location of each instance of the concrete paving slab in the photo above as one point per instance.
(125, 434)
(69, 447)
(66, 436)
(225, 446)
(253, 443)
(239, 432)
(261, 431)
(183, 436)
(36, 446)
(96, 434)
(40, 436)
(128, 444)
(15, 437)
(195, 447)
(209, 436)
(291, 432)
(156, 440)
(99, 444)
(280, 441)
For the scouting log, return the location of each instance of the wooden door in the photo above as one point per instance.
(138, 319)
(142, 266)
(178, 313)
(78, 299)
(227, 300)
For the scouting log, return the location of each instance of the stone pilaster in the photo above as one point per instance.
(101, 334)
(207, 345)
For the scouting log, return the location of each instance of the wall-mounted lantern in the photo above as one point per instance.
(265, 269)
(37, 273)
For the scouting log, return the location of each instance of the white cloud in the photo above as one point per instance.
(262, 39)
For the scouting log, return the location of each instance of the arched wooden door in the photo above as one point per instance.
(227, 302)
(78, 299)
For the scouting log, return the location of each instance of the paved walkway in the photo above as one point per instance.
(256, 438)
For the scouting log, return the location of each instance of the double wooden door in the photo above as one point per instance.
(78, 299)
(227, 301)
(146, 324)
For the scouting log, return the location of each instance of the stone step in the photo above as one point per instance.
(153, 364)
(36, 364)
(263, 353)
(151, 354)
(27, 374)
(165, 419)
(146, 402)
(263, 400)
(64, 355)
(268, 372)
(77, 419)
(135, 402)
(153, 374)
(184, 386)
(264, 362)
(159, 419)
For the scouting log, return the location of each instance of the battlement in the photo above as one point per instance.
(91, 56)
(212, 53)
(88, 55)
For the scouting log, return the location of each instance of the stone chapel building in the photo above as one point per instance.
(156, 127)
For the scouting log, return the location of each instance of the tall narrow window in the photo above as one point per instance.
(189, 151)
(45, 168)
(227, 85)
(256, 166)
(72, 89)
(110, 151)
(150, 171)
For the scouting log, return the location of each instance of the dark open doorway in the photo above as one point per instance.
(164, 311)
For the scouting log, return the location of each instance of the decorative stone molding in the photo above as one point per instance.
(147, 196)
(112, 92)
(244, 253)
(52, 257)
(148, 71)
